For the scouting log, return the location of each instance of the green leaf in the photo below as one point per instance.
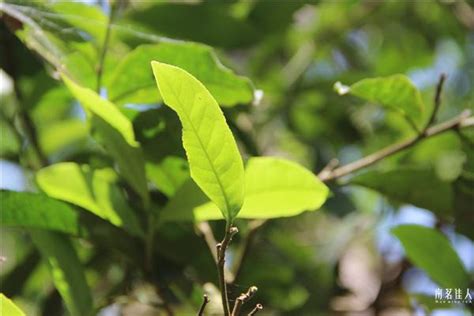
(395, 92)
(62, 134)
(8, 308)
(431, 251)
(169, 174)
(274, 188)
(132, 83)
(418, 186)
(22, 209)
(66, 270)
(214, 159)
(115, 132)
(94, 190)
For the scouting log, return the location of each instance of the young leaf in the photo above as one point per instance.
(94, 190)
(22, 209)
(431, 251)
(214, 159)
(418, 186)
(274, 188)
(115, 132)
(66, 271)
(8, 308)
(169, 174)
(131, 83)
(396, 92)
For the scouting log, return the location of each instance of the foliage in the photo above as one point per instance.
(135, 134)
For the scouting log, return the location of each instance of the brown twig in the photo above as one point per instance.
(203, 306)
(221, 249)
(437, 101)
(257, 308)
(242, 299)
(463, 120)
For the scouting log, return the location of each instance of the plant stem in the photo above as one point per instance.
(105, 46)
(242, 299)
(203, 306)
(221, 248)
(257, 308)
(463, 120)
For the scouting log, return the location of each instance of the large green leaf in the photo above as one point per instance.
(396, 92)
(94, 190)
(115, 132)
(274, 188)
(66, 271)
(418, 186)
(22, 209)
(8, 308)
(431, 251)
(214, 159)
(133, 83)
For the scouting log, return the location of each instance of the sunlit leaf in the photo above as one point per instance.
(62, 134)
(115, 132)
(66, 271)
(8, 308)
(395, 92)
(418, 186)
(274, 188)
(214, 159)
(132, 83)
(430, 250)
(94, 190)
(22, 209)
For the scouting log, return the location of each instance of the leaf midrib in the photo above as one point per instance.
(203, 149)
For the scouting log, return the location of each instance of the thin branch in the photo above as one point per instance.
(332, 164)
(463, 120)
(437, 101)
(203, 306)
(242, 299)
(105, 46)
(221, 248)
(245, 250)
(257, 308)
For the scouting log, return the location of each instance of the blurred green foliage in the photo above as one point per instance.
(108, 217)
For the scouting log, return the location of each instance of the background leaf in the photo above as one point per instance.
(131, 83)
(396, 92)
(418, 186)
(66, 270)
(431, 251)
(115, 132)
(274, 187)
(94, 190)
(22, 209)
(213, 156)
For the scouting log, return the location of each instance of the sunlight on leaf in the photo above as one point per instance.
(214, 159)
(8, 308)
(274, 187)
(94, 190)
